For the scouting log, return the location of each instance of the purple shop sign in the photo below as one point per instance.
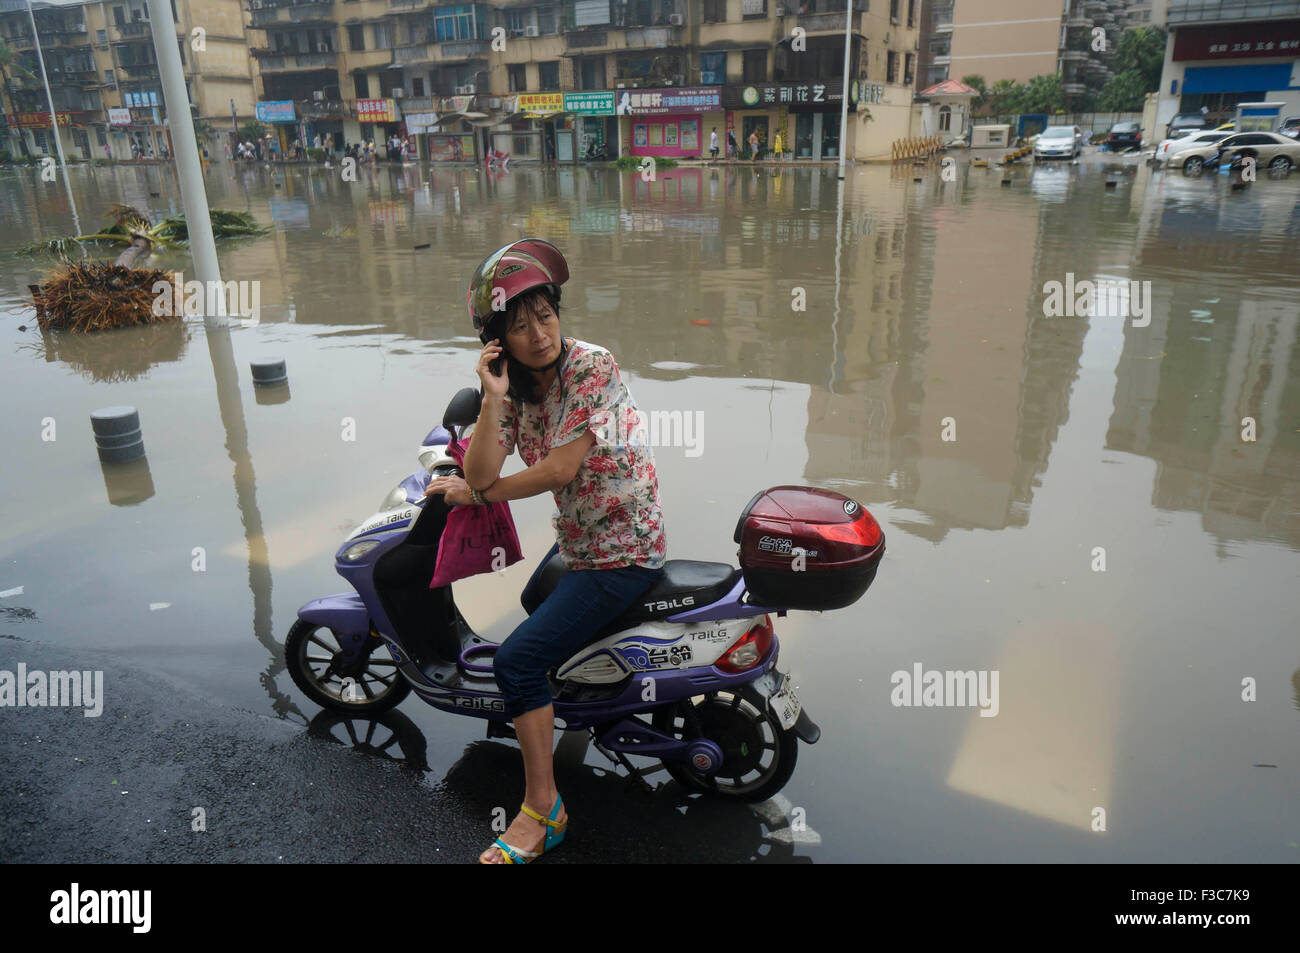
(672, 99)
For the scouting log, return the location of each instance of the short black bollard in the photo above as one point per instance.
(269, 373)
(118, 437)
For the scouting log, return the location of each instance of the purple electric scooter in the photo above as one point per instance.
(686, 675)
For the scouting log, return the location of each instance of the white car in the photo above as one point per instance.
(1169, 147)
(1058, 142)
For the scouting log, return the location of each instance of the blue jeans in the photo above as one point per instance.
(583, 603)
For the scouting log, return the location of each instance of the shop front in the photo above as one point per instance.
(674, 122)
(279, 114)
(378, 121)
(805, 114)
(594, 124)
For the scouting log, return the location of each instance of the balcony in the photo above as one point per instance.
(459, 50)
(305, 11)
(941, 14)
(274, 61)
(585, 39)
(139, 69)
(652, 37)
(416, 53)
(1185, 12)
(828, 22)
(134, 30)
(325, 108)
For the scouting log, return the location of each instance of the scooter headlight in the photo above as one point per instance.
(395, 498)
(359, 549)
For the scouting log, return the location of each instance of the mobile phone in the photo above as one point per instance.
(495, 366)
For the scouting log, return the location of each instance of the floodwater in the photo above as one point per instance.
(1080, 441)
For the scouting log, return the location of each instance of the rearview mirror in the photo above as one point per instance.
(463, 408)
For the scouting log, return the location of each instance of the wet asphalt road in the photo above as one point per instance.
(121, 788)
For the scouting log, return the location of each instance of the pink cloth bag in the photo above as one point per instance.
(474, 536)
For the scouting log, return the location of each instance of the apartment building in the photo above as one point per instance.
(100, 60)
(1019, 39)
(539, 79)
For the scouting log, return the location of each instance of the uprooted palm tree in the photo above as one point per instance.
(94, 295)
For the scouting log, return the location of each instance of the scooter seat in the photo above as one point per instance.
(683, 585)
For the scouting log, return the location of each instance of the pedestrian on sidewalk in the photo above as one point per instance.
(753, 145)
(713, 144)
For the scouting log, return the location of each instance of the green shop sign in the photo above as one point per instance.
(590, 104)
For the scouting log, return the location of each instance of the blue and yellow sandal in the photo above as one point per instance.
(554, 835)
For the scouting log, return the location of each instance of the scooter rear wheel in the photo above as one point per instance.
(313, 657)
(758, 755)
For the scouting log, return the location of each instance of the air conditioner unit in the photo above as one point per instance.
(466, 90)
(675, 19)
(494, 102)
(399, 93)
(318, 95)
(530, 30)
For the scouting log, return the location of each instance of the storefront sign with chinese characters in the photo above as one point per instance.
(685, 99)
(376, 110)
(541, 104)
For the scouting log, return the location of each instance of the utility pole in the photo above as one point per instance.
(844, 94)
(54, 117)
(203, 247)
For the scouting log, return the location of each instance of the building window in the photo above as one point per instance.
(356, 38)
(755, 66)
(417, 85)
(945, 118)
(108, 77)
(101, 36)
(753, 9)
(467, 22)
(546, 20)
(119, 16)
(911, 13)
(382, 40)
(909, 68)
(518, 77)
(715, 11)
(893, 10)
(713, 69)
(362, 85)
(891, 67)
(548, 75)
(591, 72)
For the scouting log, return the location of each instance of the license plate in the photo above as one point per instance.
(785, 704)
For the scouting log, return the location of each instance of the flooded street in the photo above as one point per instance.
(1068, 500)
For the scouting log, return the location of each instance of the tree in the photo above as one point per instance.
(999, 97)
(1139, 59)
(976, 82)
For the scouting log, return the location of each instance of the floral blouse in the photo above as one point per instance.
(608, 516)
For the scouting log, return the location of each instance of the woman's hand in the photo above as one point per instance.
(452, 488)
(494, 384)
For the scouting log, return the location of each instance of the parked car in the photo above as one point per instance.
(1168, 148)
(1124, 135)
(1058, 142)
(1270, 151)
(1290, 127)
(1184, 123)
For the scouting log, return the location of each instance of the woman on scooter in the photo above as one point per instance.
(563, 403)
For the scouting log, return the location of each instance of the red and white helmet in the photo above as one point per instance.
(509, 272)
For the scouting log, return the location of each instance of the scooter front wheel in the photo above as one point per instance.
(315, 662)
(758, 755)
